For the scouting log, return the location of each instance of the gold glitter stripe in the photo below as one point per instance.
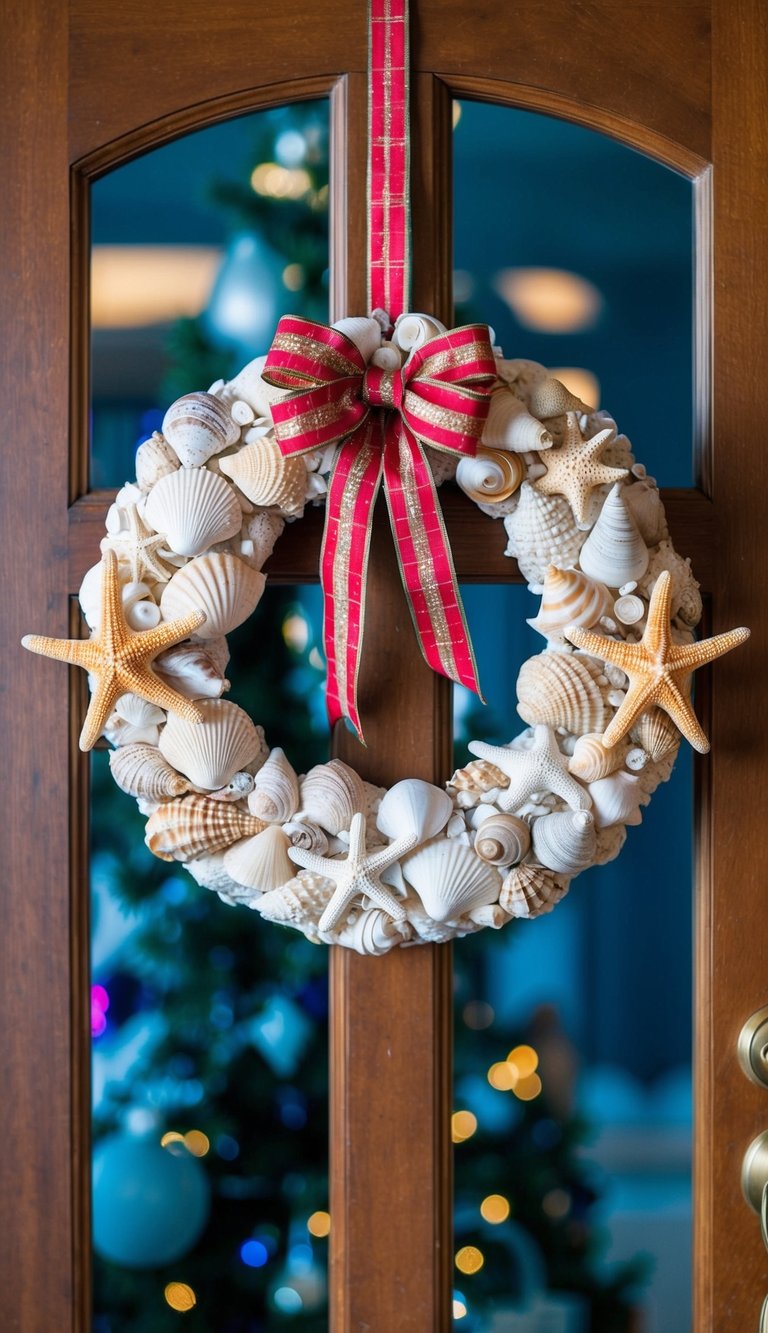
(341, 559)
(301, 345)
(444, 417)
(427, 577)
(317, 418)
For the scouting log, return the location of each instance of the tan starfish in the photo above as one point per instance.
(142, 547)
(574, 469)
(658, 669)
(119, 657)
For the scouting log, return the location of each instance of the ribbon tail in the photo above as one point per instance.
(424, 555)
(352, 493)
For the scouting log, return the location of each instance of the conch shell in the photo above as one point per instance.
(141, 771)
(569, 598)
(197, 426)
(267, 478)
(549, 398)
(212, 751)
(275, 797)
(195, 826)
(530, 891)
(194, 509)
(330, 795)
(502, 840)
(617, 799)
(192, 671)
(542, 532)
(373, 932)
(564, 842)
(562, 690)
(450, 879)
(491, 475)
(261, 862)
(509, 425)
(300, 833)
(592, 760)
(225, 588)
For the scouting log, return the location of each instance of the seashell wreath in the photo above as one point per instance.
(345, 862)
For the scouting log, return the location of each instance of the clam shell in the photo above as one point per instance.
(275, 797)
(564, 690)
(154, 459)
(302, 899)
(373, 932)
(550, 398)
(502, 840)
(657, 734)
(197, 426)
(191, 671)
(193, 508)
(565, 842)
(614, 552)
(266, 478)
(261, 862)
(212, 751)
(617, 799)
(542, 532)
(490, 475)
(569, 598)
(195, 826)
(300, 833)
(592, 760)
(509, 425)
(364, 332)
(450, 879)
(414, 330)
(479, 776)
(531, 891)
(141, 771)
(225, 588)
(330, 795)
(413, 807)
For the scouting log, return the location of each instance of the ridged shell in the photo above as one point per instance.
(154, 459)
(644, 503)
(197, 426)
(657, 734)
(373, 933)
(225, 588)
(617, 799)
(479, 776)
(275, 797)
(194, 509)
(550, 398)
(212, 751)
(266, 478)
(138, 712)
(141, 770)
(502, 840)
(614, 552)
(565, 842)
(364, 332)
(509, 425)
(303, 898)
(563, 690)
(569, 598)
(194, 826)
(531, 891)
(261, 862)
(592, 760)
(413, 807)
(491, 475)
(450, 879)
(330, 795)
(208, 871)
(542, 532)
(300, 833)
(191, 671)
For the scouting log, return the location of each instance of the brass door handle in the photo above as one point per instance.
(754, 1179)
(753, 1047)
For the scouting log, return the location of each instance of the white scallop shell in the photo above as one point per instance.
(275, 797)
(192, 671)
(302, 899)
(564, 690)
(154, 459)
(614, 552)
(491, 475)
(138, 712)
(542, 532)
(657, 734)
(509, 425)
(197, 426)
(617, 799)
(564, 842)
(330, 795)
(450, 879)
(267, 478)
(365, 333)
(569, 598)
(219, 584)
(413, 807)
(592, 760)
(530, 891)
(210, 752)
(262, 862)
(193, 508)
(372, 932)
(414, 330)
(502, 839)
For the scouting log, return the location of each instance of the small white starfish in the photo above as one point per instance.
(142, 547)
(542, 768)
(359, 873)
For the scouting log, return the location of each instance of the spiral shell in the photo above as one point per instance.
(226, 589)
(614, 552)
(192, 671)
(510, 426)
(542, 532)
(562, 690)
(373, 932)
(502, 840)
(194, 509)
(363, 331)
(300, 833)
(414, 330)
(261, 862)
(479, 777)
(266, 478)
(197, 426)
(564, 842)
(275, 797)
(549, 398)
(154, 459)
(450, 879)
(195, 826)
(569, 598)
(530, 891)
(592, 760)
(416, 808)
(657, 734)
(617, 799)
(300, 900)
(212, 751)
(141, 771)
(330, 795)
(490, 475)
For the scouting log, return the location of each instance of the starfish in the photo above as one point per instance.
(359, 873)
(119, 657)
(658, 669)
(542, 768)
(574, 469)
(141, 545)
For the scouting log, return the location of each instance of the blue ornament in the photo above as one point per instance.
(150, 1205)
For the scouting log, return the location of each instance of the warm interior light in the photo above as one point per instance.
(276, 182)
(495, 1209)
(469, 1259)
(549, 300)
(583, 383)
(319, 1224)
(180, 1296)
(525, 1060)
(502, 1076)
(463, 1125)
(135, 285)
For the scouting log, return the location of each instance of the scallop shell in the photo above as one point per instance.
(490, 475)
(373, 933)
(550, 398)
(212, 751)
(531, 891)
(657, 734)
(592, 760)
(617, 799)
(565, 842)
(141, 771)
(300, 833)
(193, 508)
(301, 899)
(542, 532)
(569, 598)
(502, 840)
(266, 478)
(154, 459)
(614, 552)
(330, 795)
(450, 879)
(414, 808)
(479, 776)
(225, 588)
(275, 796)
(197, 426)
(194, 826)
(414, 330)
(510, 426)
(364, 332)
(139, 712)
(644, 504)
(261, 862)
(564, 690)
(191, 671)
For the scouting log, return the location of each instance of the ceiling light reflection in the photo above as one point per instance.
(549, 300)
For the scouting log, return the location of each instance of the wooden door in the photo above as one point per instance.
(87, 86)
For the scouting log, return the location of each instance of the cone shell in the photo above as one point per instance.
(569, 598)
(502, 840)
(510, 426)
(266, 478)
(212, 751)
(141, 771)
(542, 532)
(563, 690)
(592, 760)
(330, 795)
(301, 899)
(614, 552)
(450, 879)
(414, 808)
(373, 933)
(154, 459)
(194, 509)
(491, 475)
(531, 891)
(565, 842)
(657, 734)
(261, 862)
(364, 332)
(479, 776)
(275, 797)
(197, 426)
(550, 398)
(617, 799)
(195, 826)
(225, 588)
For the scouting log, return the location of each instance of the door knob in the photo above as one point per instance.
(753, 1047)
(754, 1179)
